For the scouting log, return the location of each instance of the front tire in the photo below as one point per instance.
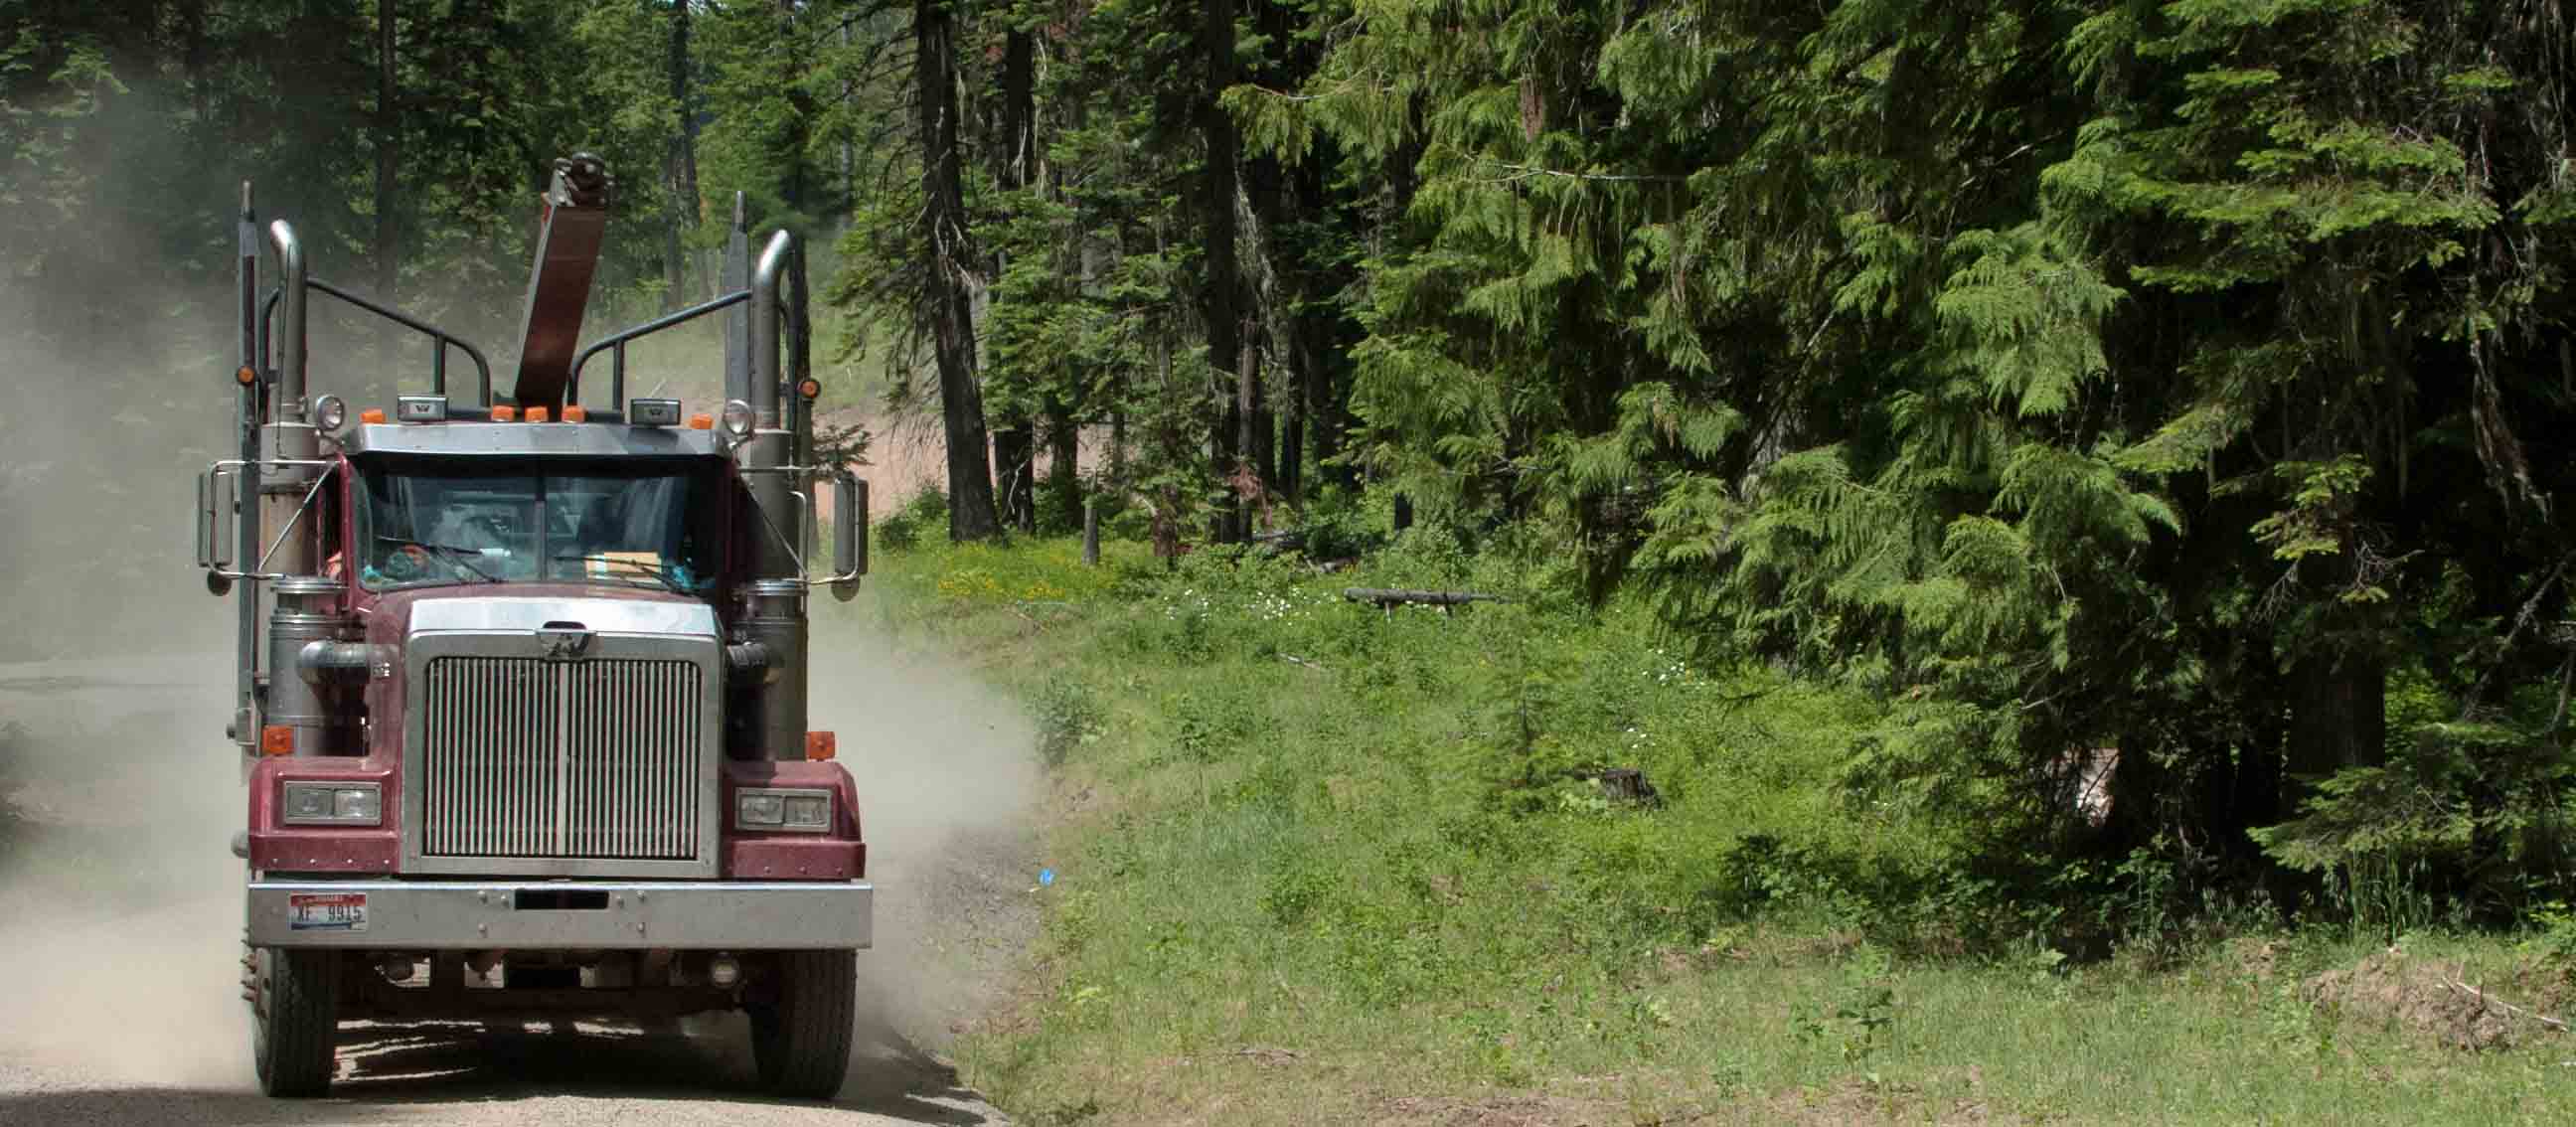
(800, 1033)
(295, 1020)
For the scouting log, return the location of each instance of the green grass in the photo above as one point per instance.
(1317, 862)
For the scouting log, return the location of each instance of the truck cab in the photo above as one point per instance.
(522, 695)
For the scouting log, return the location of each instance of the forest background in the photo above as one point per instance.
(2169, 392)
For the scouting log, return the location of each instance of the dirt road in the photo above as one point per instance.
(458, 1075)
(120, 913)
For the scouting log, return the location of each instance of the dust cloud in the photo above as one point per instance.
(120, 899)
(947, 777)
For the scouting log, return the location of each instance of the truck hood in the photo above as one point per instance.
(532, 606)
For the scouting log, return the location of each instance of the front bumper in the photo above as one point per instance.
(537, 915)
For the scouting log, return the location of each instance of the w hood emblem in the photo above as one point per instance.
(564, 641)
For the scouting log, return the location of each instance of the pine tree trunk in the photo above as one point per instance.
(1323, 406)
(679, 174)
(1015, 450)
(1247, 416)
(1292, 420)
(388, 139)
(1216, 131)
(688, 210)
(2338, 718)
(952, 326)
(1064, 465)
(1015, 442)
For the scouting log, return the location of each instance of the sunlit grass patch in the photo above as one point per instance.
(1316, 862)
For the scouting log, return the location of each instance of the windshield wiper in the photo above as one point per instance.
(652, 569)
(449, 552)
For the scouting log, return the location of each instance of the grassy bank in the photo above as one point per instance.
(1316, 861)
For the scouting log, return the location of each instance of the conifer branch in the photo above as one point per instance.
(1523, 172)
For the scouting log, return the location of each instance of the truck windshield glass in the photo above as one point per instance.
(425, 524)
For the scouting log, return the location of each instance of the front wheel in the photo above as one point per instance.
(295, 1020)
(800, 1029)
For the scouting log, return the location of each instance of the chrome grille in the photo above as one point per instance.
(522, 757)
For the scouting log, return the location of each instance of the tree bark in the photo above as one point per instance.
(1064, 464)
(1292, 427)
(1247, 416)
(2338, 717)
(388, 140)
(950, 314)
(1216, 132)
(1015, 451)
(1015, 442)
(680, 169)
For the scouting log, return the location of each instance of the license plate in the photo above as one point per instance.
(335, 911)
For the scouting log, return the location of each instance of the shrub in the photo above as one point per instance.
(1068, 716)
(924, 512)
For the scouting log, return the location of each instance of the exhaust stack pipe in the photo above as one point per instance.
(304, 610)
(777, 620)
(288, 406)
(568, 238)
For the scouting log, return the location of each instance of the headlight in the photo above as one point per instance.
(334, 804)
(777, 809)
(735, 418)
(329, 412)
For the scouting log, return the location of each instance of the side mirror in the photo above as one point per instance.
(215, 487)
(849, 534)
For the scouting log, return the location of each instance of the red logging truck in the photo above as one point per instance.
(523, 679)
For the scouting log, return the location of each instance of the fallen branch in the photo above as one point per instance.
(1293, 659)
(1388, 597)
(2486, 999)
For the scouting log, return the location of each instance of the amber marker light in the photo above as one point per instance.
(576, 413)
(503, 413)
(277, 739)
(820, 746)
(702, 421)
(810, 389)
(372, 415)
(245, 376)
(537, 414)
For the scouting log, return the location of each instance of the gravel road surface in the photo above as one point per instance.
(120, 914)
(461, 1075)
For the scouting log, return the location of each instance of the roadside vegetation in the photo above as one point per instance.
(1315, 859)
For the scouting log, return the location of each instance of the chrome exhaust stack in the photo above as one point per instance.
(306, 603)
(289, 438)
(777, 592)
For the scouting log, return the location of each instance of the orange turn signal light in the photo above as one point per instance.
(576, 413)
(503, 413)
(702, 422)
(276, 739)
(821, 745)
(810, 389)
(372, 415)
(245, 376)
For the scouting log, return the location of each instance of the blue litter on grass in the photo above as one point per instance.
(1046, 877)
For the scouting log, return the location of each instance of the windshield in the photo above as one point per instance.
(649, 524)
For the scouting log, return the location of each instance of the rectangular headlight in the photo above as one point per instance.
(783, 809)
(333, 804)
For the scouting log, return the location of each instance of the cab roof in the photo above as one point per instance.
(524, 440)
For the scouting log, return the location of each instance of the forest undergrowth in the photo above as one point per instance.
(1317, 861)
